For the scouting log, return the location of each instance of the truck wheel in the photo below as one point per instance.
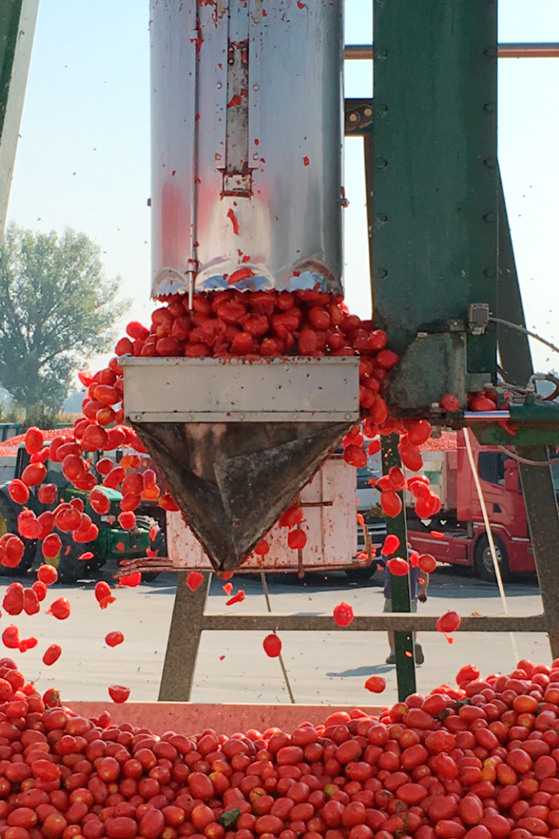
(484, 562)
(8, 524)
(361, 575)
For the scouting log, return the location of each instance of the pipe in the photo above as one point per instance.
(486, 416)
(364, 52)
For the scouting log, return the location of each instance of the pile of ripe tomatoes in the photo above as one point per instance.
(475, 761)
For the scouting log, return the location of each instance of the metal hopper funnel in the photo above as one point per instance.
(237, 440)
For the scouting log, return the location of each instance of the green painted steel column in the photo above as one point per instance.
(400, 586)
(434, 226)
(17, 27)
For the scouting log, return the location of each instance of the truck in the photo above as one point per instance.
(457, 534)
(113, 542)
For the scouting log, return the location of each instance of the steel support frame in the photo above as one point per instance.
(537, 484)
(189, 621)
(17, 27)
(434, 220)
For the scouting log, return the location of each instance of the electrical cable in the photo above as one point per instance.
(525, 460)
(490, 538)
(524, 330)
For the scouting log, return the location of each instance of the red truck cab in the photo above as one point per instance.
(460, 537)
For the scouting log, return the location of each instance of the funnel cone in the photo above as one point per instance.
(233, 480)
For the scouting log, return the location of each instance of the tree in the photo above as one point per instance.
(56, 307)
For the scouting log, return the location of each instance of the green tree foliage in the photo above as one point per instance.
(56, 307)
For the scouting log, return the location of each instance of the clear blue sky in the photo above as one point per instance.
(83, 158)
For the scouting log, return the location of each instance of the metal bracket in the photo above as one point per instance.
(478, 318)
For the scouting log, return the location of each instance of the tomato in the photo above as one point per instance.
(272, 645)
(34, 474)
(19, 491)
(60, 609)
(343, 614)
(47, 574)
(103, 594)
(118, 693)
(355, 455)
(52, 654)
(376, 684)
(450, 403)
(51, 546)
(113, 639)
(449, 622)
(391, 503)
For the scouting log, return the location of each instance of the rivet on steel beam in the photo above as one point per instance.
(381, 163)
(347, 416)
(490, 217)
(491, 107)
(380, 55)
(219, 85)
(256, 87)
(380, 273)
(368, 112)
(490, 52)
(353, 117)
(255, 156)
(380, 218)
(380, 108)
(489, 272)
(490, 162)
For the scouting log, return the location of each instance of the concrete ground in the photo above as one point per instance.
(324, 668)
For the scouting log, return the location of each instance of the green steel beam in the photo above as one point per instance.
(434, 225)
(17, 27)
(400, 586)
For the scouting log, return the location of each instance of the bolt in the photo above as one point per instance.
(490, 162)
(381, 219)
(380, 273)
(490, 106)
(380, 54)
(255, 156)
(489, 272)
(490, 217)
(353, 117)
(347, 416)
(218, 157)
(219, 85)
(381, 108)
(256, 87)
(381, 163)
(368, 112)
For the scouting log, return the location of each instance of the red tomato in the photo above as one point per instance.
(449, 622)
(47, 574)
(19, 492)
(343, 614)
(34, 474)
(398, 566)
(391, 545)
(376, 684)
(60, 609)
(113, 639)
(355, 455)
(272, 645)
(118, 693)
(34, 439)
(297, 539)
(52, 654)
(450, 403)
